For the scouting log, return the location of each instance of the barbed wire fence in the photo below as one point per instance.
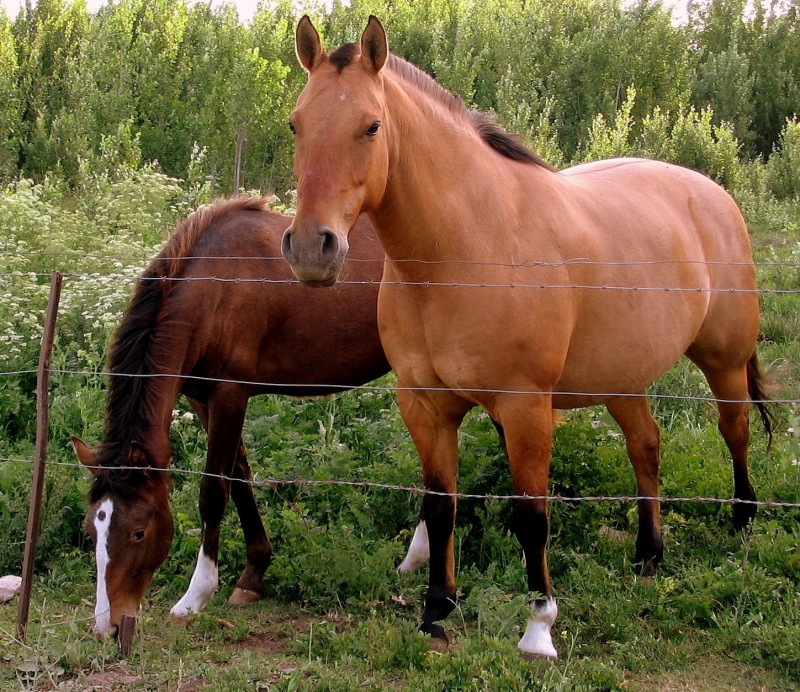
(44, 371)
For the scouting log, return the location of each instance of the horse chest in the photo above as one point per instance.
(451, 339)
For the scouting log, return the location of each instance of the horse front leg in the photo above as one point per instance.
(223, 418)
(432, 419)
(642, 440)
(249, 587)
(528, 425)
(419, 550)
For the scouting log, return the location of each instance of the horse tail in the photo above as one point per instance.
(755, 387)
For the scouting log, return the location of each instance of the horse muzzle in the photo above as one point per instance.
(316, 256)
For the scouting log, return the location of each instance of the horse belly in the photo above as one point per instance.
(622, 343)
(495, 341)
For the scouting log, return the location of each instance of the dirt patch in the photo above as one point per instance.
(712, 673)
(117, 678)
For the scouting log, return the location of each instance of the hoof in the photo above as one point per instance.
(648, 568)
(243, 597)
(438, 645)
(544, 656)
(536, 642)
(438, 640)
(179, 620)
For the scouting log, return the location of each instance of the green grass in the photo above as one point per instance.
(337, 616)
(725, 603)
(722, 613)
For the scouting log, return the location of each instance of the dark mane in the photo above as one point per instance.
(486, 125)
(508, 144)
(134, 348)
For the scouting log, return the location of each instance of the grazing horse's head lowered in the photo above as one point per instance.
(198, 339)
(131, 525)
(353, 169)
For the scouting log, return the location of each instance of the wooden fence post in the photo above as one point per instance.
(37, 484)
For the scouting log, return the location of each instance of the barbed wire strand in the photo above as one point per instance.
(343, 388)
(524, 264)
(413, 489)
(429, 284)
(393, 388)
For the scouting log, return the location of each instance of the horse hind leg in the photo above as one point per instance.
(731, 388)
(642, 440)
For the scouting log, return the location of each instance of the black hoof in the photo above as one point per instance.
(743, 514)
(647, 568)
(648, 558)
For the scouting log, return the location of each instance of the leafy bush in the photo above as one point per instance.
(783, 167)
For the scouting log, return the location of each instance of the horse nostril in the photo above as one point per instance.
(286, 244)
(330, 243)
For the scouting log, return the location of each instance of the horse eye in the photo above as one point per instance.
(292, 128)
(137, 536)
(372, 130)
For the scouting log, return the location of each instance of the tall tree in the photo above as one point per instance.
(10, 104)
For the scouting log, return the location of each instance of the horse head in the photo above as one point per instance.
(131, 525)
(341, 153)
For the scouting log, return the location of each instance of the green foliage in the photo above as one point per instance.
(103, 238)
(10, 104)
(96, 108)
(783, 168)
(610, 141)
(692, 139)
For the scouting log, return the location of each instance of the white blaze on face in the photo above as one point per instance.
(201, 587)
(419, 552)
(102, 608)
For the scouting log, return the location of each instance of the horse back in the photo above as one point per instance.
(244, 316)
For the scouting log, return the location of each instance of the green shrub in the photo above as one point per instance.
(783, 168)
(712, 149)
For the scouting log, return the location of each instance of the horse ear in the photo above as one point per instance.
(374, 45)
(85, 455)
(307, 45)
(138, 456)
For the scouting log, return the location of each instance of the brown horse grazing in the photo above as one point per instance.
(194, 335)
(514, 287)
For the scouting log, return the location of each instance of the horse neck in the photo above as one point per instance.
(142, 394)
(147, 424)
(440, 181)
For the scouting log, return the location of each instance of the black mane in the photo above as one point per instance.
(135, 351)
(486, 125)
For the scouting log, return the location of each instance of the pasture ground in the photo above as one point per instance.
(722, 613)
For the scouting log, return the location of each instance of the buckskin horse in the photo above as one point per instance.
(515, 287)
(213, 341)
